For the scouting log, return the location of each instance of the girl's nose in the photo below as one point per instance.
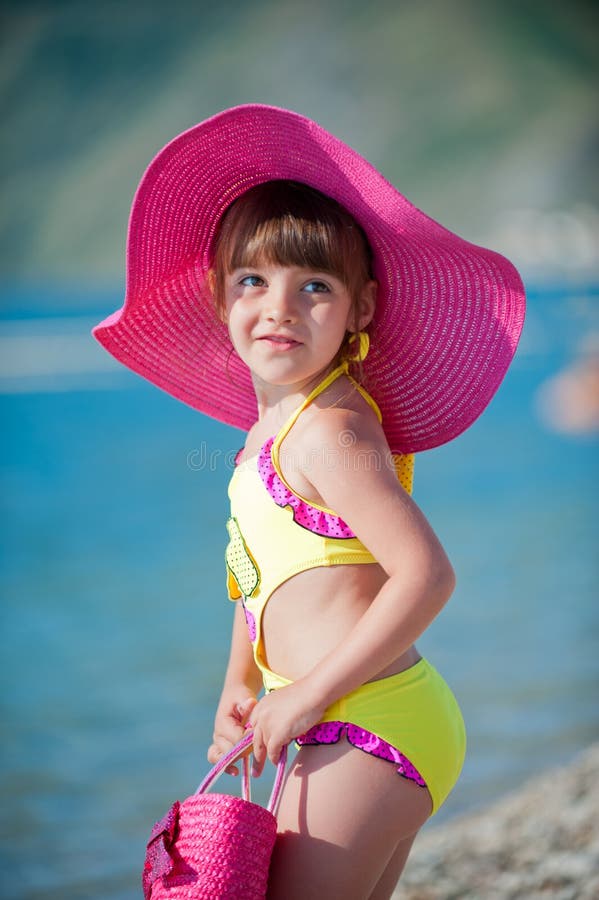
(280, 304)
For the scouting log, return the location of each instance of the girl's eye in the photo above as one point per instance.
(316, 287)
(251, 281)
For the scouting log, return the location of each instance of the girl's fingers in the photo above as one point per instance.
(244, 710)
(274, 752)
(218, 749)
(259, 753)
(230, 727)
(214, 754)
(230, 731)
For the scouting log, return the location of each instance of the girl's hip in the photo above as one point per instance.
(412, 719)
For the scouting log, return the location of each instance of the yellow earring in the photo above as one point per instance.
(359, 353)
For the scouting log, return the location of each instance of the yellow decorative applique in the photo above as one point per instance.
(404, 466)
(240, 563)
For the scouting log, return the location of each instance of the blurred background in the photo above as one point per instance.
(115, 623)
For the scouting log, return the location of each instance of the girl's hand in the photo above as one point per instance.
(279, 718)
(232, 715)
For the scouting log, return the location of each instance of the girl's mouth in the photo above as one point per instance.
(279, 342)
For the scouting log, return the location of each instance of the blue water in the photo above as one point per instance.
(115, 622)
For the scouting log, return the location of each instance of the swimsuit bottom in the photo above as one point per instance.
(411, 719)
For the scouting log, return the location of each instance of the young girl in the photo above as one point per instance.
(278, 283)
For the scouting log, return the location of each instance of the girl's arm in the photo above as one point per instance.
(241, 686)
(362, 487)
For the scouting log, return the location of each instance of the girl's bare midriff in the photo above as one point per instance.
(308, 615)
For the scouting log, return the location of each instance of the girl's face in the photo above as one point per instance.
(287, 322)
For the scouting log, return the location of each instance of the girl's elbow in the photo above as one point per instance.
(450, 581)
(443, 582)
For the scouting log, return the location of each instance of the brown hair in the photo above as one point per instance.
(291, 224)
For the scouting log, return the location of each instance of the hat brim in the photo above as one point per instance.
(449, 313)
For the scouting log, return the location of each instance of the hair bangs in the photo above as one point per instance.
(288, 240)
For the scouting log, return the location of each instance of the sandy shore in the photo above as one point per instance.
(539, 841)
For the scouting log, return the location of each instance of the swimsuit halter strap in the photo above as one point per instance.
(342, 369)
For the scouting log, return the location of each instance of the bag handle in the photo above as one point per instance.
(231, 757)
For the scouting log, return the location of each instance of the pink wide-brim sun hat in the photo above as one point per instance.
(449, 313)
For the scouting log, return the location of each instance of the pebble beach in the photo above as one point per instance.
(540, 841)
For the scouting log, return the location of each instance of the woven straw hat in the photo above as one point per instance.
(449, 314)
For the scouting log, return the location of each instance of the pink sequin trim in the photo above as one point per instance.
(315, 520)
(330, 733)
(251, 623)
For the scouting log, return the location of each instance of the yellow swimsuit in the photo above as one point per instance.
(412, 718)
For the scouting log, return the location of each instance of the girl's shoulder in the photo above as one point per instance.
(339, 418)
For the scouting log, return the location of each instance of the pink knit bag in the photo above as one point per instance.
(214, 846)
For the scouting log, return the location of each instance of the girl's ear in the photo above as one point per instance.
(367, 304)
